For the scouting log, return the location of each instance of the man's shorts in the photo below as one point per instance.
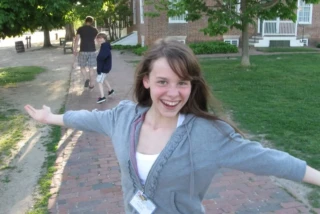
(87, 59)
(101, 77)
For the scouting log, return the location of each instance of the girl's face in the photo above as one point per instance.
(100, 40)
(168, 92)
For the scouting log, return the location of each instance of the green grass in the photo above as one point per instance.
(44, 183)
(286, 49)
(13, 75)
(11, 120)
(11, 130)
(277, 96)
(6, 179)
(41, 204)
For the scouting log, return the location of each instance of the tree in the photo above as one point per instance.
(116, 17)
(114, 14)
(17, 17)
(222, 15)
(51, 14)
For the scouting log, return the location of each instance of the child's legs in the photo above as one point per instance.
(100, 79)
(101, 89)
(107, 84)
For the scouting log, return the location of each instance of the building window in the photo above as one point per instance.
(234, 42)
(238, 5)
(304, 13)
(304, 41)
(177, 19)
(141, 12)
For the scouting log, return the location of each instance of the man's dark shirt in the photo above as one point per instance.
(87, 35)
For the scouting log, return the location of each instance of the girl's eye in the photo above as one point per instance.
(183, 83)
(162, 82)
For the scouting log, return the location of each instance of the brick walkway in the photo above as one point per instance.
(88, 177)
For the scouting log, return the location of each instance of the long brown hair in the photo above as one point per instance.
(184, 63)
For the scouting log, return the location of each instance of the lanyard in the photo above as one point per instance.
(133, 146)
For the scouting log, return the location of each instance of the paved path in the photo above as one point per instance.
(88, 176)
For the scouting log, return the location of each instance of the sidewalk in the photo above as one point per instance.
(88, 175)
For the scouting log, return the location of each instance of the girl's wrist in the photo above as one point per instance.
(49, 118)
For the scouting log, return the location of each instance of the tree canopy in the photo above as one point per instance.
(17, 17)
(110, 14)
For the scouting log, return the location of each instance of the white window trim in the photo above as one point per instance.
(230, 41)
(181, 39)
(304, 41)
(238, 6)
(141, 12)
(172, 20)
(310, 17)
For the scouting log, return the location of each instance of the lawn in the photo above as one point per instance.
(12, 120)
(287, 49)
(276, 97)
(13, 75)
(11, 130)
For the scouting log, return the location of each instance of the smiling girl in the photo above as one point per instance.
(169, 143)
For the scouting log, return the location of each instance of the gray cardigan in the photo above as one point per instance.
(182, 173)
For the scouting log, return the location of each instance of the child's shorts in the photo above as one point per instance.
(101, 77)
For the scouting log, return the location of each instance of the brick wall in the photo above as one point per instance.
(159, 27)
(311, 31)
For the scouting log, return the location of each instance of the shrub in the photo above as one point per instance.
(199, 48)
(140, 50)
(213, 47)
(125, 47)
(318, 45)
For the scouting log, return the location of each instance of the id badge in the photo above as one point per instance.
(142, 204)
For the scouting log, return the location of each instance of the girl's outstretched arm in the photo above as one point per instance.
(45, 115)
(312, 176)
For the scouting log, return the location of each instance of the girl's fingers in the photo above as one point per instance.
(29, 109)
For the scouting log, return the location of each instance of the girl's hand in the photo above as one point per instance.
(40, 115)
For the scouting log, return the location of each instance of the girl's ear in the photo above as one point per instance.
(146, 82)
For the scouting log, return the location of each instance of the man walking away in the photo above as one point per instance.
(87, 55)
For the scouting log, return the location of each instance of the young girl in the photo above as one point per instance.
(104, 65)
(169, 145)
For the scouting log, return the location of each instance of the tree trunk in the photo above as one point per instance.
(245, 60)
(46, 42)
(70, 34)
(120, 28)
(107, 25)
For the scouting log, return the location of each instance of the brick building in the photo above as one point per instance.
(305, 31)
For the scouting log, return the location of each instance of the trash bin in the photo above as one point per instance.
(19, 46)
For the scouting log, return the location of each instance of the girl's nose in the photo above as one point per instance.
(173, 91)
